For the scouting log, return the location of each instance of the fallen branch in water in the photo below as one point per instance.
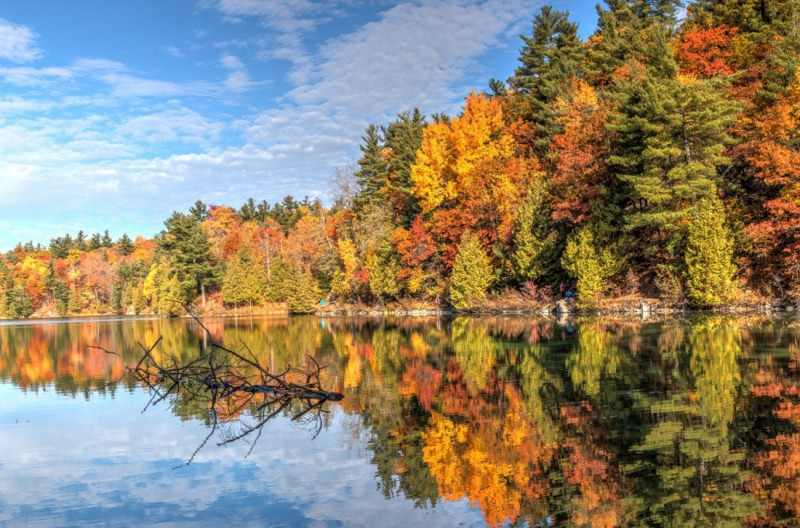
(232, 385)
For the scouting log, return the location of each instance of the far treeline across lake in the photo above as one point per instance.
(657, 159)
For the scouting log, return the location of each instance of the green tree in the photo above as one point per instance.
(95, 242)
(550, 57)
(187, 244)
(383, 269)
(80, 241)
(244, 282)
(59, 292)
(403, 138)
(472, 274)
(534, 236)
(105, 240)
(125, 245)
(685, 135)
(302, 292)
(589, 265)
(710, 269)
(373, 170)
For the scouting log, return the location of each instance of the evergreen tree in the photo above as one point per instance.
(373, 170)
(187, 244)
(125, 245)
(534, 236)
(276, 286)
(95, 241)
(199, 211)
(472, 274)
(80, 241)
(383, 269)
(59, 247)
(403, 138)
(138, 298)
(551, 56)
(664, 12)
(589, 265)
(498, 88)
(59, 293)
(302, 292)
(748, 16)
(671, 134)
(106, 241)
(709, 256)
(617, 39)
(244, 282)
(74, 302)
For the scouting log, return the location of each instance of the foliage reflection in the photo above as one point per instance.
(535, 422)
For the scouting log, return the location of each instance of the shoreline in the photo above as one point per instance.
(640, 308)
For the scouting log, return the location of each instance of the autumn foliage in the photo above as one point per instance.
(620, 138)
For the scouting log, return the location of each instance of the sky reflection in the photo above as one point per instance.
(67, 461)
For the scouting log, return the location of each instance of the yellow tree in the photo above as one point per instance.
(467, 175)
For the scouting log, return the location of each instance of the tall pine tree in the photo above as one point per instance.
(187, 244)
(551, 56)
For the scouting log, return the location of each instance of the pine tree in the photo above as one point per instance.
(95, 241)
(472, 274)
(534, 234)
(709, 256)
(105, 240)
(302, 292)
(589, 265)
(80, 241)
(550, 58)
(373, 170)
(383, 270)
(671, 134)
(275, 288)
(617, 39)
(138, 298)
(125, 245)
(59, 292)
(187, 244)
(244, 282)
(403, 138)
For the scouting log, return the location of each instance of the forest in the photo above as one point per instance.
(659, 158)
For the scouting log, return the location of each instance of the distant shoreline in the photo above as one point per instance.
(609, 307)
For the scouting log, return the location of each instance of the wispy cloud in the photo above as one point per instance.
(18, 42)
(174, 51)
(416, 54)
(124, 145)
(238, 80)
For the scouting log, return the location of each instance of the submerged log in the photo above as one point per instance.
(230, 384)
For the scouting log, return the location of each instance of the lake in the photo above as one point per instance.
(463, 422)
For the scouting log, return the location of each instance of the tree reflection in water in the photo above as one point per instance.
(594, 422)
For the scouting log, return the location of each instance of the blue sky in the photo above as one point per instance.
(115, 113)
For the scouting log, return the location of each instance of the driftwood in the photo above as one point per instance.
(240, 394)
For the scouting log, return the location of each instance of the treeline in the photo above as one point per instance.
(659, 157)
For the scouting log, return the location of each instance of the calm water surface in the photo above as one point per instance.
(466, 422)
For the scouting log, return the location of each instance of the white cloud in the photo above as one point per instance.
(289, 22)
(148, 145)
(175, 51)
(181, 124)
(27, 76)
(238, 80)
(414, 55)
(18, 42)
(111, 461)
